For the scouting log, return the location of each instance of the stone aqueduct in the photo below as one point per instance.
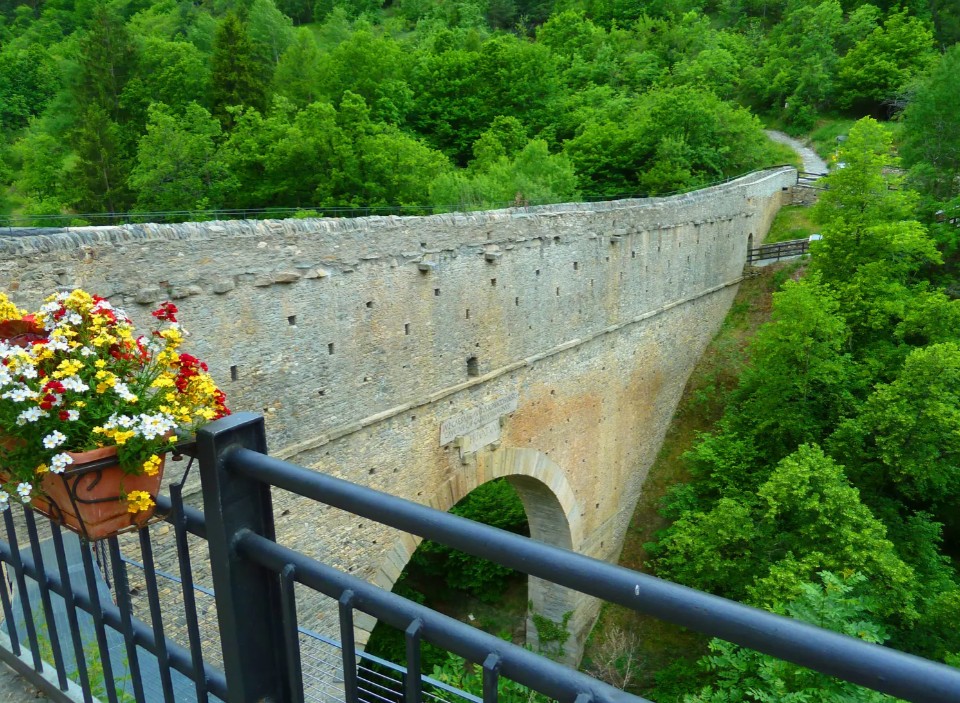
(424, 356)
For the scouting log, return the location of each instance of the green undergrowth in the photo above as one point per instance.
(823, 139)
(792, 222)
(641, 653)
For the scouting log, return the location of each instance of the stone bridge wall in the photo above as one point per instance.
(358, 338)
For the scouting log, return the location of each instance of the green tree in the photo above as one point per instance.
(238, 78)
(800, 61)
(41, 157)
(884, 62)
(174, 73)
(805, 517)
(28, 81)
(862, 194)
(494, 503)
(909, 430)
(270, 30)
(801, 381)
(177, 163)
(931, 130)
(98, 175)
(746, 676)
(107, 60)
(298, 76)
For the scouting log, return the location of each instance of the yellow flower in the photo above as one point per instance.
(138, 501)
(9, 311)
(163, 381)
(42, 469)
(100, 363)
(121, 437)
(152, 465)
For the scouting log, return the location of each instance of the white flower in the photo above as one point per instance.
(5, 378)
(54, 439)
(58, 344)
(75, 383)
(30, 415)
(121, 389)
(86, 351)
(24, 490)
(28, 372)
(4, 500)
(73, 415)
(59, 462)
(153, 426)
(19, 394)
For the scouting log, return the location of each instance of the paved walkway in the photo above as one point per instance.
(812, 163)
(14, 689)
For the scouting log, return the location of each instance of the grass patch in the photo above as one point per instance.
(792, 222)
(785, 155)
(654, 645)
(823, 139)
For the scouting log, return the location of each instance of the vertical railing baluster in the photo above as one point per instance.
(288, 604)
(413, 684)
(44, 586)
(189, 598)
(156, 618)
(8, 609)
(17, 563)
(491, 677)
(96, 610)
(70, 605)
(348, 648)
(121, 587)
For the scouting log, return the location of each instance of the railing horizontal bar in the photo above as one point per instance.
(525, 667)
(194, 518)
(142, 633)
(888, 671)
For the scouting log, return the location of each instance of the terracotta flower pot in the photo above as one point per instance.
(91, 501)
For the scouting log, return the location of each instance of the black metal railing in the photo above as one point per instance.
(58, 604)
(778, 251)
(60, 619)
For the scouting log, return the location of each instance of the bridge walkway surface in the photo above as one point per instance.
(14, 688)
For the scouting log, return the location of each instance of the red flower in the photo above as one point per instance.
(53, 387)
(166, 312)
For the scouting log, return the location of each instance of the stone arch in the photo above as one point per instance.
(553, 516)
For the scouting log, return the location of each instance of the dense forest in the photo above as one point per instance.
(158, 105)
(830, 489)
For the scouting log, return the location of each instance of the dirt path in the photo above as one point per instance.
(812, 163)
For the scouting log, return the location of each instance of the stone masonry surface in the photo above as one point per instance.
(358, 338)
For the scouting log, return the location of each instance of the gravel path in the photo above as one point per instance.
(812, 163)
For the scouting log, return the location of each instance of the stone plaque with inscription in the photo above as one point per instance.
(478, 418)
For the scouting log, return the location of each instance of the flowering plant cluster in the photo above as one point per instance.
(74, 377)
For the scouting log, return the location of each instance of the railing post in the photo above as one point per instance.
(248, 597)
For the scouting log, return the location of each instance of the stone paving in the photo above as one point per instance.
(14, 689)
